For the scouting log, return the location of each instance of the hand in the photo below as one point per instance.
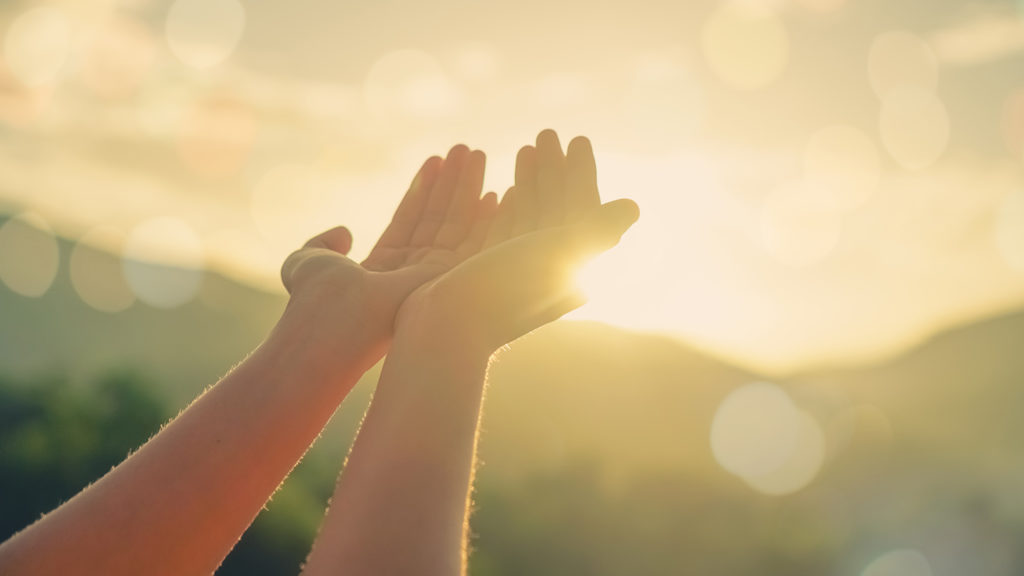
(440, 221)
(548, 223)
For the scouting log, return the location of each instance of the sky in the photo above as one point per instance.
(820, 181)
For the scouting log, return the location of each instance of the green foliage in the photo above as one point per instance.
(580, 512)
(56, 438)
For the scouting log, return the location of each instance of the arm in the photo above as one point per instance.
(180, 503)
(400, 505)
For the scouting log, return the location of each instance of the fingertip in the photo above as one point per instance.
(488, 206)
(525, 153)
(606, 225)
(458, 150)
(478, 156)
(626, 210)
(338, 239)
(547, 135)
(580, 143)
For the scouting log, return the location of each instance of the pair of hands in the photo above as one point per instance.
(457, 262)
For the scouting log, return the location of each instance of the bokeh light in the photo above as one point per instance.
(163, 261)
(37, 45)
(96, 271)
(745, 44)
(1009, 230)
(900, 60)
(914, 127)
(904, 562)
(802, 465)
(204, 33)
(410, 84)
(29, 255)
(755, 430)
(841, 167)
(761, 436)
(795, 228)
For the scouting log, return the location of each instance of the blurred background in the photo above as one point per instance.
(804, 359)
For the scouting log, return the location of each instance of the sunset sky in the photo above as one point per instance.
(820, 181)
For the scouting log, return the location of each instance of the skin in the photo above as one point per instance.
(180, 502)
(401, 504)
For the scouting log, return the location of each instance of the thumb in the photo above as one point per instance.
(337, 239)
(604, 227)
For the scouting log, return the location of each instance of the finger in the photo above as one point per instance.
(462, 209)
(486, 211)
(501, 227)
(410, 209)
(525, 205)
(440, 196)
(337, 239)
(580, 179)
(289, 266)
(603, 228)
(550, 180)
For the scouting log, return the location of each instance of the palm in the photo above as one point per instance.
(550, 219)
(440, 221)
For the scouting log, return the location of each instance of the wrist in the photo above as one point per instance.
(332, 333)
(428, 325)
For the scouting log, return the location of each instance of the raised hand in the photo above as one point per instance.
(441, 221)
(548, 223)
(406, 482)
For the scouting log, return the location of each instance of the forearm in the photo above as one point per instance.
(179, 504)
(400, 506)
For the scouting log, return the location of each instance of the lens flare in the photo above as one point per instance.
(905, 562)
(204, 33)
(29, 255)
(761, 436)
(37, 46)
(163, 262)
(96, 271)
(745, 44)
